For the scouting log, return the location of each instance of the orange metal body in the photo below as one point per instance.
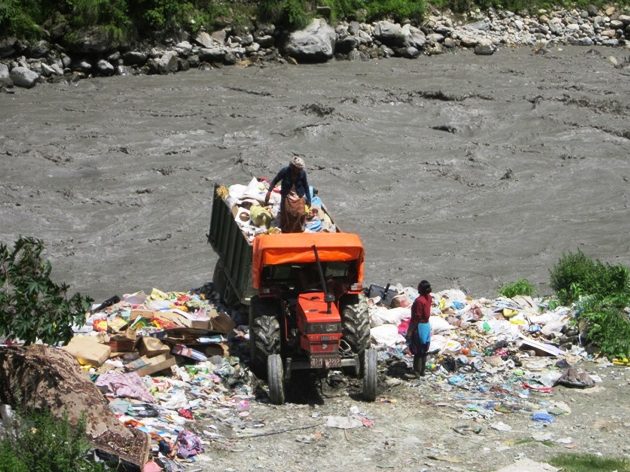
(312, 310)
(296, 248)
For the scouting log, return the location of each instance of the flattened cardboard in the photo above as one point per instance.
(142, 313)
(87, 350)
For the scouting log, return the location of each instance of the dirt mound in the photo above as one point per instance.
(42, 377)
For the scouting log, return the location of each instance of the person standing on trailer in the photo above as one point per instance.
(295, 195)
(419, 332)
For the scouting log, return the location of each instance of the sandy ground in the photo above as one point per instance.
(469, 171)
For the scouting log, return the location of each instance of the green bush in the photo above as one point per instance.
(520, 287)
(396, 9)
(608, 326)
(286, 14)
(32, 306)
(16, 19)
(576, 274)
(41, 443)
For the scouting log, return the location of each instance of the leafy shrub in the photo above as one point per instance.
(40, 442)
(16, 19)
(286, 14)
(608, 326)
(32, 306)
(520, 287)
(576, 274)
(397, 9)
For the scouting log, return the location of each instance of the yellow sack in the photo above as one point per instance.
(509, 313)
(260, 216)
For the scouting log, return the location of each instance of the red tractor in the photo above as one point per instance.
(307, 309)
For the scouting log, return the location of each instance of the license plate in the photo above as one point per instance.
(321, 362)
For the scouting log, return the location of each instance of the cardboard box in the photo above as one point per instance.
(194, 321)
(87, 350)
(151, 365)
(119, 343)
(151, 347)
(221, 323)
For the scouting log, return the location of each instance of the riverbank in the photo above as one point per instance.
(24, 64)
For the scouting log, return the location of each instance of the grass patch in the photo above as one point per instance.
(589, 463)
(39, 442)
(519, 287)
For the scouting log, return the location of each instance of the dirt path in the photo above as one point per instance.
(427, 425)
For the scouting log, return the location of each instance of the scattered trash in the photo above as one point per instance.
(543, 417)
(529, 466)
(343, 422)
(500, 426)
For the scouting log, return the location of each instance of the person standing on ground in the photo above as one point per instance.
(295, 195)
(419, 332)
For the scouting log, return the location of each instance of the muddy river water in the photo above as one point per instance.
(469, 171)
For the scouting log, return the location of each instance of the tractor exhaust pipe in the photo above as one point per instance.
(328, 297)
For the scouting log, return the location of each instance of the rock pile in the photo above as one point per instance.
(25, 64)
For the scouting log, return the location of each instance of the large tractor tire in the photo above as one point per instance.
(264, 333)
(356, 325)
(275, 379)
(370, 375)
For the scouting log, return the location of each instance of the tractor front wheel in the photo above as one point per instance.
(369, 375)
(275, 379)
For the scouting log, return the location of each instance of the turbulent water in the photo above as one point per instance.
(466, 170)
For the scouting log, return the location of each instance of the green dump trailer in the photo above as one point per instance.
(232, 273)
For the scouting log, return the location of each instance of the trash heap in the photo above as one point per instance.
(254, 217)
(163, 361)
(494, 355)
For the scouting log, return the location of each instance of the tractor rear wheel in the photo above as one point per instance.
(275, 379)
(356, 325)
(369, 375)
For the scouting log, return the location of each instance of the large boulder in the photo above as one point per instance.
(485, 47)
(214, 55)
(5, 78)
(205, 40)
(7, 47)
(390, 34)
(164, 64)
(346, 44)
(414, 37)
(104, 67)
(93, 40)
(39, 48)
(315, 43)
(135, 58)
(24, 77)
